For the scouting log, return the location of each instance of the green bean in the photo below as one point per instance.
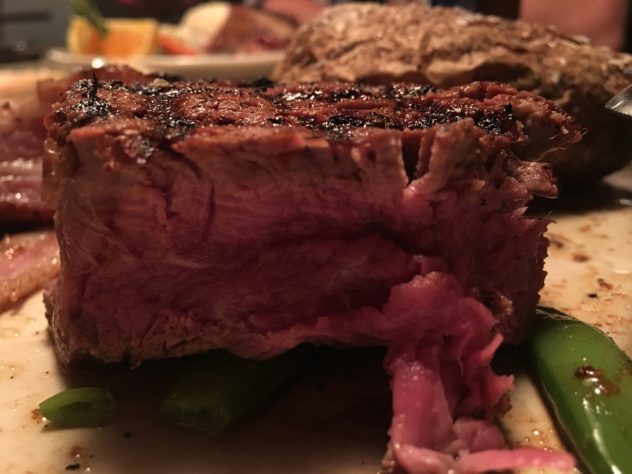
(88, 10)
(86, 406)
(216, 390)
(587, 381)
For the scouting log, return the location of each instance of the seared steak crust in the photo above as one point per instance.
(173, 109)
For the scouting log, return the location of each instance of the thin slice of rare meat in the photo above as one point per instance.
(28, 262)
(194, 216)
(22, 136)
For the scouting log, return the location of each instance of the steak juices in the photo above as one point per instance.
(195, 216)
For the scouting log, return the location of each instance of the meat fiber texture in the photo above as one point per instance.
(194, 216)
(444, 47)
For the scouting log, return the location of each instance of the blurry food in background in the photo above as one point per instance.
(22, 137)
(605, 22)
(197, 29)
(211, 27)
(602, 21)
(124, 38)
(90, 33)
(447, 46)
(19, 83)
(249, 29)
(159, 5)
(300, 10)
(219, 27)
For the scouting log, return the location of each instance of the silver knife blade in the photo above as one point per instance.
(622, 102)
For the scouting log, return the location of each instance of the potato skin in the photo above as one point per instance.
(450, 46)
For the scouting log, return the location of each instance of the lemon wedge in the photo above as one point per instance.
(82, 38)
(125, 38)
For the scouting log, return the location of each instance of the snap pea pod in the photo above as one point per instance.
(88, 10)
(587, 381)
(216, 390)
(86, 406)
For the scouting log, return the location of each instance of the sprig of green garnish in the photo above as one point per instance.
(88, 10)
(78, 407)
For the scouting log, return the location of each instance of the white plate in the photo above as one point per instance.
(219, 66)
(333, 421)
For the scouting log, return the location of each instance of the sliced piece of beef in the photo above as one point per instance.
(194, 216)
(28, 262)
(249, 29)
(22, 136)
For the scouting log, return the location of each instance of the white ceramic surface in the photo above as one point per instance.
(333, 421)
(219, 66)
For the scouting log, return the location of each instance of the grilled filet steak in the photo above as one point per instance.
(194, 216)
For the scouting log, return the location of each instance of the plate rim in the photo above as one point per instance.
(63, 57)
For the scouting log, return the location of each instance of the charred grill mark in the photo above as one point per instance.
(224, 121)
(344, 94)
(179, 126)
(338, 122)
(169, 77)
(171, 123)
(313, 93)
(291, 96)
(176, 108)
(492, 123)
(158, 87)
(261, 83)
(91, 106)
(277, 120)
(278, 103)
(428, 114)
(94, 86)
(410, 153)
(308, 121)
(114, 84)
(496, 124)
(372, 119)
(399, 92)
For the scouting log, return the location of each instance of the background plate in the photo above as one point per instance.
(219, 66)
